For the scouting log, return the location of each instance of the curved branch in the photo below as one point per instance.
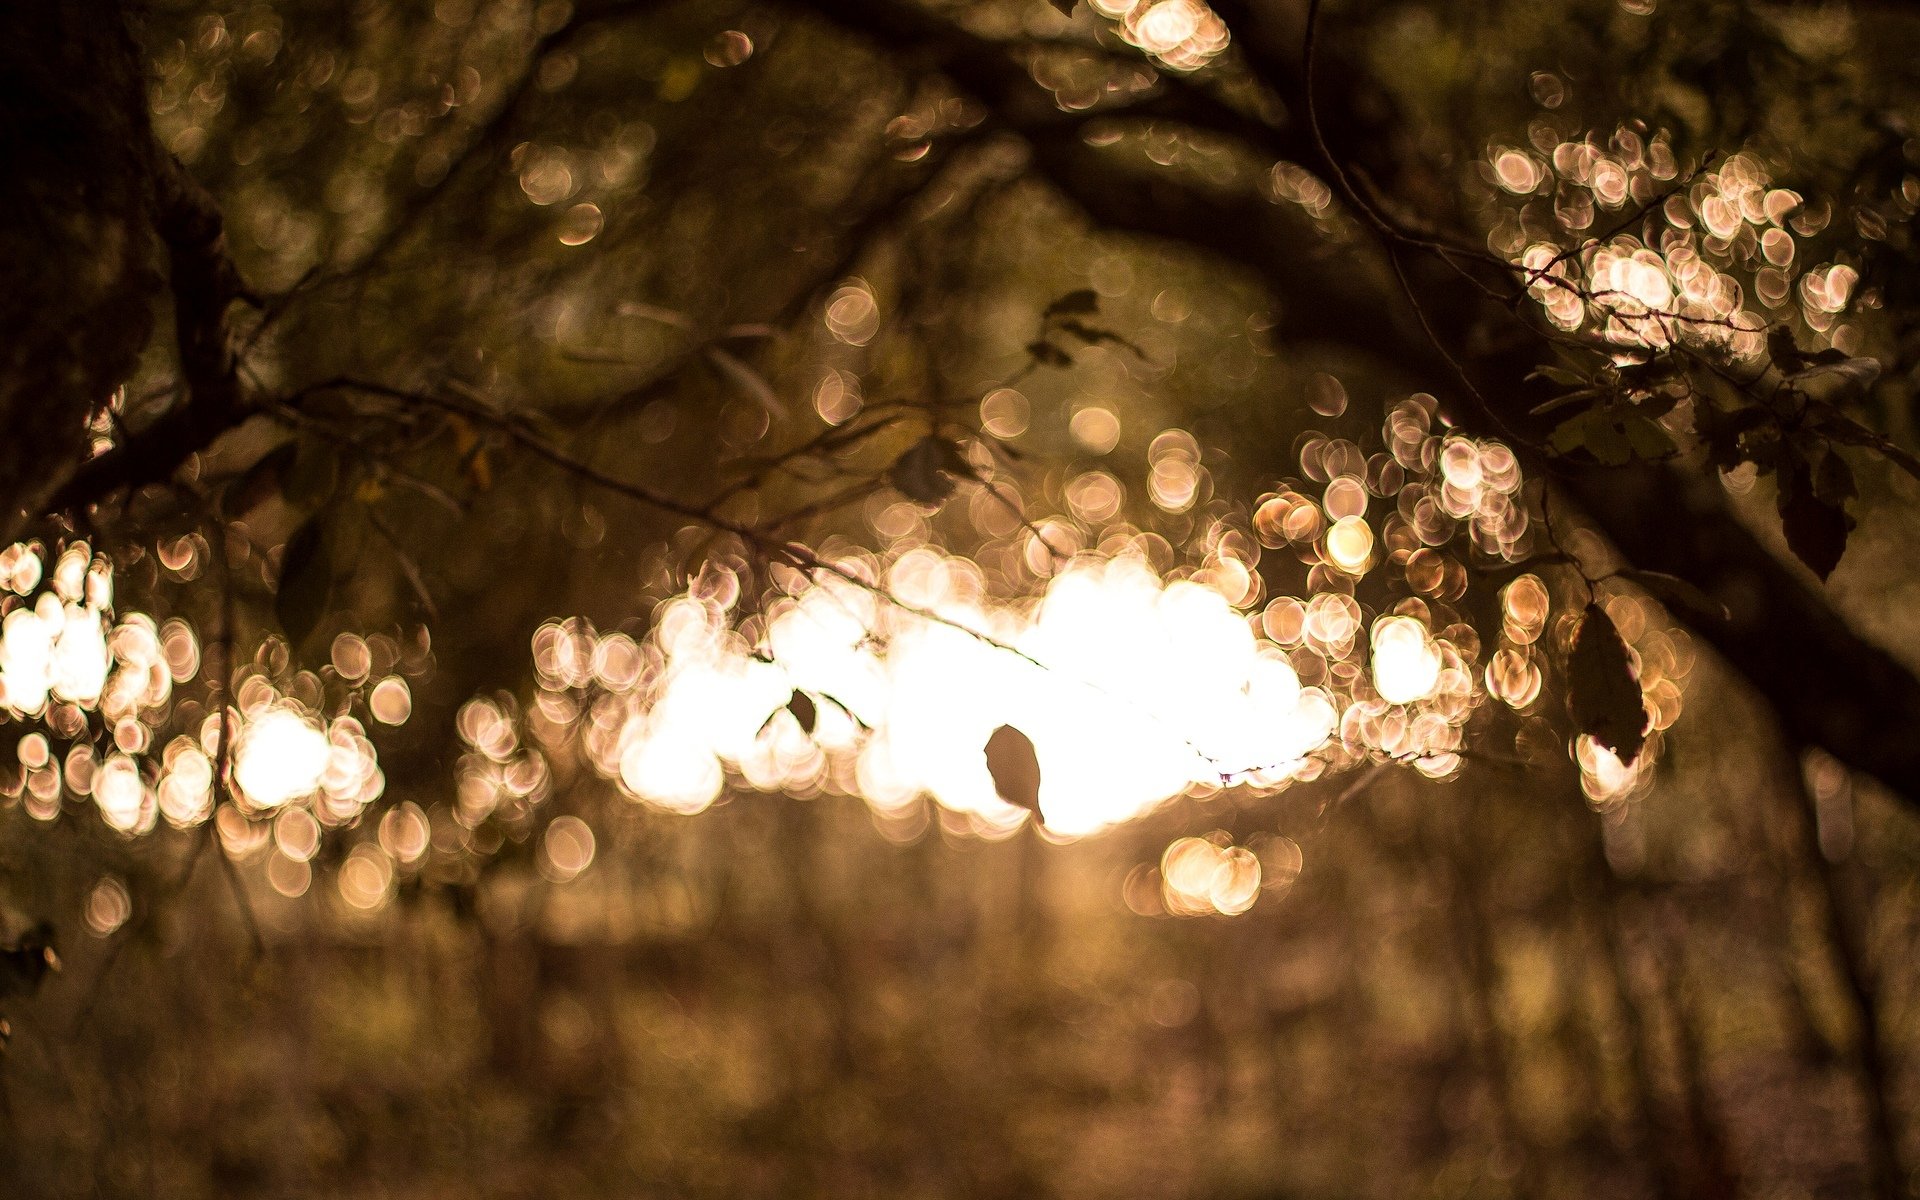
(1830, 686)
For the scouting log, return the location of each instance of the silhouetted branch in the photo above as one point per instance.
(1831, 686)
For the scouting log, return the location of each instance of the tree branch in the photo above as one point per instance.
(204, 283)
(1830, 686)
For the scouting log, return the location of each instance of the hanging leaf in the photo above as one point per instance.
(1833, 479)
(313, 476)
(1726, 435)
(804, 711)
(1646, 437)
(262, 481)
(926, 471)
(1585, 395)
(306, 582)
(1015, 768)
(1782, 349)
(1816, 531)
(1816, 526)
(1603, 696)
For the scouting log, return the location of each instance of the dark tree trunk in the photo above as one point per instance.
(76, 242)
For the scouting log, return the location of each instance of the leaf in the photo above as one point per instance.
(1833, 479)
(266, 478)
(1564, 399)
(1679, 597)
(478, 468)
(1782, 350)
(925, 473)
(1603, 696)
(306, 582)
(1081, 301)
(313, 476)
(1816, 530)
(1646, 437)
(1015, 769)
(1595, 433)
(1559, 375)
(1613, 436)
(1816, 527)
(804, 711)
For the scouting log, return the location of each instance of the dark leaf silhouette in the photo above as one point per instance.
(312, 475)
(1816, 531)
(26, 963)
(1816, 526)
(262, 481)
(306, 582)
(804, 711)
(1015, 768)
(1833, 479)
(1603, 695)
(926, 471)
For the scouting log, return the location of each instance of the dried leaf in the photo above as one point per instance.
(1015, 768)
(1603, 696)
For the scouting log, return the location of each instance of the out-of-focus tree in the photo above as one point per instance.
(1126, 451)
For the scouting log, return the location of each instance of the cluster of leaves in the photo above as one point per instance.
(1787, 421)
(1617, 409)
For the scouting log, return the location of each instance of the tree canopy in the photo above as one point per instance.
(1242, 597)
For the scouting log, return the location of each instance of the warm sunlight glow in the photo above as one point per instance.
(280, 756)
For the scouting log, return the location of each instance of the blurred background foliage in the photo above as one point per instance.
(691, 236)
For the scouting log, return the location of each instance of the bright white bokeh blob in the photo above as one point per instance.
(1134, 689)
